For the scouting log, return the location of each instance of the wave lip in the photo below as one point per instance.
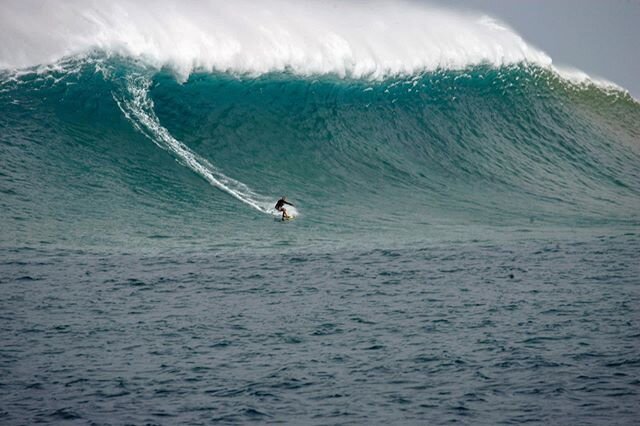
(372, 40)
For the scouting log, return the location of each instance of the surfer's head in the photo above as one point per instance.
(283, 198)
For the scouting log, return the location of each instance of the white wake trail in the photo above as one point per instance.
(138, 108)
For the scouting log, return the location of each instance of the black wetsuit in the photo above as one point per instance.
(281, 203)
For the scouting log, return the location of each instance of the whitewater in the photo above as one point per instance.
(375, 40)
(466, 239)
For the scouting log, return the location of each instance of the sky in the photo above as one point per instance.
(599, 37)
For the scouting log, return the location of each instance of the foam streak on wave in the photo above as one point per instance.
(139, 110)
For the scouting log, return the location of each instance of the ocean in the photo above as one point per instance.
(465, 245)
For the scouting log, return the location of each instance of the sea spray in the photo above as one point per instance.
(349, 39)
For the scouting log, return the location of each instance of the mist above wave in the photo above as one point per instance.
(354, 39)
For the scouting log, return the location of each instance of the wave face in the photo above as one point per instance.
(443, 136)
(111, 145)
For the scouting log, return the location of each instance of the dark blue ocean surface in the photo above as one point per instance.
(543, 331)
(465, 248)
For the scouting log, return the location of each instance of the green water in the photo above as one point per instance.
(106, 152)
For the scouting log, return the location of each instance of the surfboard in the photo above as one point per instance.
(279, 219)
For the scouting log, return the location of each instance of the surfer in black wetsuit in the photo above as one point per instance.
(280, 207)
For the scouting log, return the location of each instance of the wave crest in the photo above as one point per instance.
(360, 40)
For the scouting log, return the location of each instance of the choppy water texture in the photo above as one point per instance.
(465, 248)
(473, 332)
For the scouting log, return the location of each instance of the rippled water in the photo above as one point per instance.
(476, 332)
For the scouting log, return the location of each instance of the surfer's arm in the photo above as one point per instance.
(286, 202)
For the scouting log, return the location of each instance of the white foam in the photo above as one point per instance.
(579, 77)
(356, 39)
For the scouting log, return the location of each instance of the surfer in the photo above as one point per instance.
(280, 207)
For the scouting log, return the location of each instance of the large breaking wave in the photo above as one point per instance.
(376, 117)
